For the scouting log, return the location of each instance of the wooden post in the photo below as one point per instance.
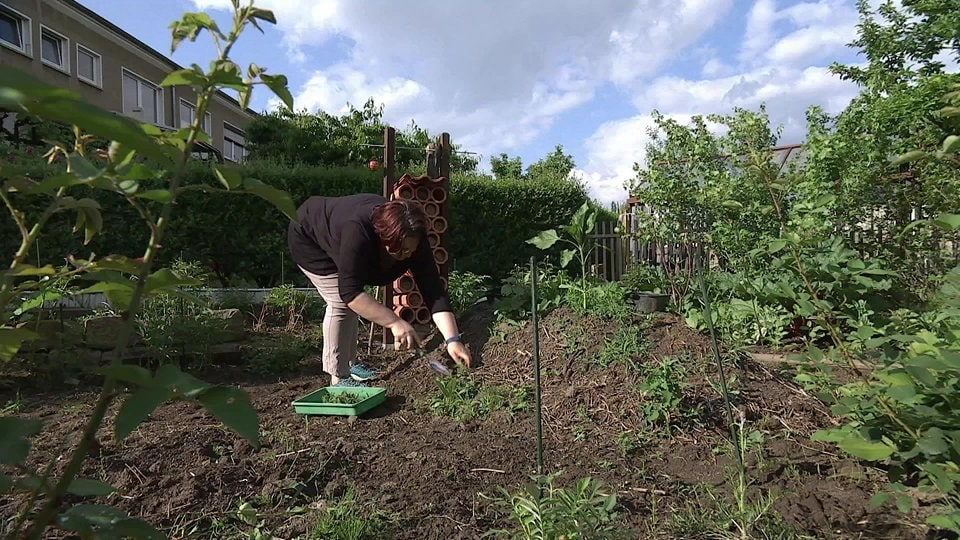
(389, 153)
(433, 166)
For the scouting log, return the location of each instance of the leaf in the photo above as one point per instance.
(128, 187)
(180, 383)
(776, 246)
(186, 77)
(879, 499)
(107, 521)
(229, 176)
(117, 263)
(11, 339)
(904, 503)
(30, 270)
(545, 239)
(48, 185)
(138, 407)
(934, 442)
(565, 257)
(89, 487)
(951, 222)
(247, 513)
(17, 183)
(166, 278)
(263, 14)
(274, 196)
(867, 450)
(243, 97)
(24, 93)
(119, 293)
(82, 168)
(908, 157)
(126, 372)
(92, 222)
(159, 195)
(71, 203)
(226, 73)
(37, 301)
(232, 406)
(949, 521)
(278, 84)
(14, 434)
(951, 144)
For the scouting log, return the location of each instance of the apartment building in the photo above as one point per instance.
(66, 44)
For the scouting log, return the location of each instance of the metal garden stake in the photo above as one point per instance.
(536, 364)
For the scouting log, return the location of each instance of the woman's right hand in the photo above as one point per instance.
(404, 336)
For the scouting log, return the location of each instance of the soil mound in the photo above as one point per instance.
(184, 472)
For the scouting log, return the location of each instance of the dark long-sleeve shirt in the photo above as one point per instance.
(336, 236)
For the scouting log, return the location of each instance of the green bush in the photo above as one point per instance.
(491, 220)
(244, 242)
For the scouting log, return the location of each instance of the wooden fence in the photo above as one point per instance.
(617, 253)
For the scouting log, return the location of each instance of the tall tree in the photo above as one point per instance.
(555, 165)
(505, 167)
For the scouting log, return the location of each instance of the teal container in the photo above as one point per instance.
(318, 402)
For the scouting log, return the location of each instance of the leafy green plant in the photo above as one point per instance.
(290, 303)
(275, 357)
(663, 389)
(581, 226)
(544, 510)
(462, 397)
(626, 346)
(147, 168)
(465, 288)
(906, 413)
(347, 518)
(606, 301)
(516, 297)
(903, 411)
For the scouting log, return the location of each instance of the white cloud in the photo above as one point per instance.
(781, 64)
(496, 74)
(820, 30)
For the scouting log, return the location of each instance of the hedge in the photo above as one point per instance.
(491, 220)
(243, 238)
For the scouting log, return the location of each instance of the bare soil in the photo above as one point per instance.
(182, 470)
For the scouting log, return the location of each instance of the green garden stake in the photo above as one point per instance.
(536, 364)
(723, 376)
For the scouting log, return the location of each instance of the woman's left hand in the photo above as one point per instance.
(458, 351)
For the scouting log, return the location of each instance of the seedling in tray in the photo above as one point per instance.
(340, 401)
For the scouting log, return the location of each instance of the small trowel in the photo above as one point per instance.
(434, 364)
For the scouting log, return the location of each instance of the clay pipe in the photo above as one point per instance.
(439, 225)
(405, 284)
(439, 194)
(440, 255)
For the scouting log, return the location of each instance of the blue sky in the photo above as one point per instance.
(523, 77)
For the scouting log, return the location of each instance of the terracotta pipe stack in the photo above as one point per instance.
(432, 193)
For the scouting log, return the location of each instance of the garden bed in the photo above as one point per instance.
(426, 463)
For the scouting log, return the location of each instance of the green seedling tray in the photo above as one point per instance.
(315, 403)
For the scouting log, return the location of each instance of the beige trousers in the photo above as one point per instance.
(340, 327)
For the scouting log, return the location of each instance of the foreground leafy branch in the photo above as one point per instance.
(147, 167)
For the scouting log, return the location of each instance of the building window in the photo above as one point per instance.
(15, 30)
(89, 66)
(53, 49)
(141, 99)
(234, 143)
(188, 113)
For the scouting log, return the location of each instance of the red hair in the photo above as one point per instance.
(397, 220)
